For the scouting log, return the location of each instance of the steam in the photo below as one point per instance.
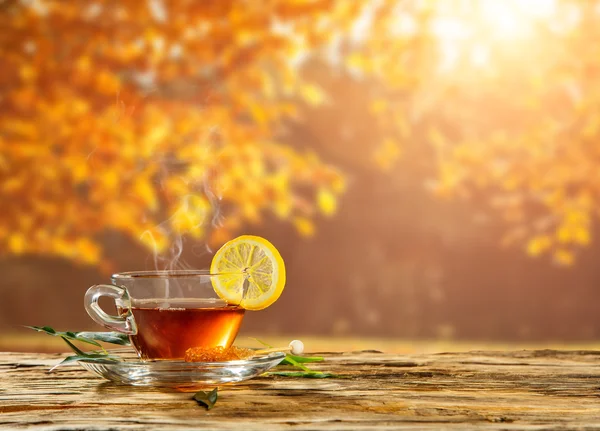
(208, 218)
(172, 258)
(215, 205)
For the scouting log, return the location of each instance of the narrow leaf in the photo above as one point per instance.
(99, 357)
(304, 374)
(291, 361)
(107, 337)
(301, 359)
(262, 342)
(86, 337)
(74, 347)
(65, 335)
(206, 399)
(296, 360)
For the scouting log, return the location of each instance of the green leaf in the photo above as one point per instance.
(71, 335)
(291, 361)
(86, 337)
(66, 335)
(300, 359)
(90, 357)
(48, 329)
(295, 360)
(74, 347)
(262, 342)
(305, 374)
(106, 337)
(206, 399)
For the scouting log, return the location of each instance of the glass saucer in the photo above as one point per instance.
(130, 370)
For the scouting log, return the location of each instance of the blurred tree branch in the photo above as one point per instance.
(150, 118)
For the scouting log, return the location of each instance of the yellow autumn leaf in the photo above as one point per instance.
(259, 114)
(27, 72)
(312, 94)
(16, 243)
(155, 239)
(88, 251)
(79, 107)
(190, 215)
(304, 226)
(581, 235)
(144, 190)
(564, 234)
(538, 245)
(79, 172)
(126, 126)
(282, 207)
(327, 202)
(251, 212)
(357, 61)
(110, 180)
(378, 106)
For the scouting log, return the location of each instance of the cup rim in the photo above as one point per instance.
(167, 273)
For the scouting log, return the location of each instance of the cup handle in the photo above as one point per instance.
(124, 323)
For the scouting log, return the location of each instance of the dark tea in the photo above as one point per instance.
(166, 332)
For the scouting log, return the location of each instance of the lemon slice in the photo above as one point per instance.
(251, 272)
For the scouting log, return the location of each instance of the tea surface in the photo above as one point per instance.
(166, 333)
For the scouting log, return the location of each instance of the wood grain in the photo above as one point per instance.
(525, 390)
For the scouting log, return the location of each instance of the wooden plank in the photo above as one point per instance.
(26, 340)
(530, 390)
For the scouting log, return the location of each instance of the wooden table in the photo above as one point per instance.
(540, 389)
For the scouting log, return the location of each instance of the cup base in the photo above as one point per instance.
(179, 375)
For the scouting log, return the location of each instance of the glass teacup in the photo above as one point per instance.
(167, 312)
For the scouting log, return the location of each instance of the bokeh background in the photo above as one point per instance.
(428, 169)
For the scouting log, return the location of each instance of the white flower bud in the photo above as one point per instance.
(297, 347)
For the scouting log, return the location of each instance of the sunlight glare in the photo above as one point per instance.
(486, 23)
(509, 20)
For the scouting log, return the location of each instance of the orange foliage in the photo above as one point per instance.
(519, 128)
(506, 96)
(148, 118)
